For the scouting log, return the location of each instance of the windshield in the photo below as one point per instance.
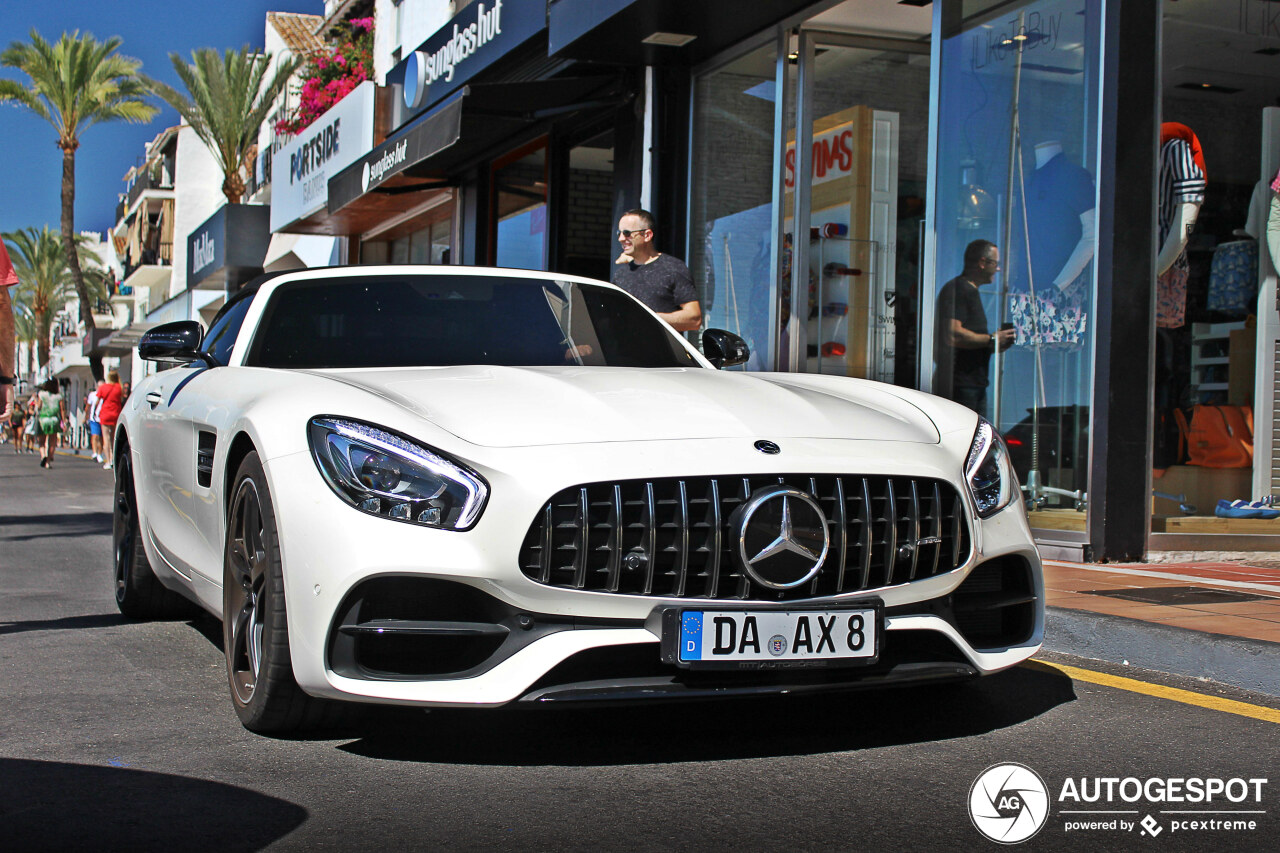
(442, 320)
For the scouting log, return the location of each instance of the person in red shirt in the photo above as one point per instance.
(8, 335)
(112, 397)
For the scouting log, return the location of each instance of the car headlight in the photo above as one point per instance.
(987, 472)
(385, 475)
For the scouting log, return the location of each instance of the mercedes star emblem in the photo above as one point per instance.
(782, 536)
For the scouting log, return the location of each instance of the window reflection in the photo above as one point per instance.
(1017, 132)
(520, 207)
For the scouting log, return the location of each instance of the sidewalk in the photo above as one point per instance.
(1218, 620)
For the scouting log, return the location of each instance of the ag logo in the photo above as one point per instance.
(1008, 803)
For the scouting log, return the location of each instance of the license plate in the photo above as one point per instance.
(765, 639)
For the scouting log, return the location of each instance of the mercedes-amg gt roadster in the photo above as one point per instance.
(469, 487)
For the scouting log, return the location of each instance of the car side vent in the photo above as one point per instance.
(205, 443)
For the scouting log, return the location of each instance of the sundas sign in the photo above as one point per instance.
(832, 156)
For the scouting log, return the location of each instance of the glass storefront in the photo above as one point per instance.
(520, 209)
(866, 101)
(1014, 221)
(731, 218)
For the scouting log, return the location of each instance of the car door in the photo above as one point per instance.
(198, 414)
(163, 443)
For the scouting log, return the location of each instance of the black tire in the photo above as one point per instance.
(255, 630)
(139, 594)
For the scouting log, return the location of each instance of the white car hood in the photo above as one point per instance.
(539, 406)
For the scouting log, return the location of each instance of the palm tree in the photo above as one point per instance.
(76, 83)
(24, 324)
(45, 281)
(230, 99)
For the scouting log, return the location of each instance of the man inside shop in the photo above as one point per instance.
(659, 280)
(962, 342)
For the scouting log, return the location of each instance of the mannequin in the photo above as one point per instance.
(1182, 186)
(1060, 244)
(1273, 224)
(1083, 252)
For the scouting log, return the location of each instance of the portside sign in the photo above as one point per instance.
(301, 169)
(476, 37)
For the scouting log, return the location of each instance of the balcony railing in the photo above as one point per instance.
(146, 181)
(162, 257)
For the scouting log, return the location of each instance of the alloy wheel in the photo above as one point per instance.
(248, 561)
(124, 529)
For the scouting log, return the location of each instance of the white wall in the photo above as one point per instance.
(418, 21)
(197, 187)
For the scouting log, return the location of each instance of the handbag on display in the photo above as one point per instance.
(1218, 436)
(1233, 278)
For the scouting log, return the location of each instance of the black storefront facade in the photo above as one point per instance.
(919, 129)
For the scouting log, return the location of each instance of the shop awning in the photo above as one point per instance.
(651, 32)
(478, 117)
(297, 251)
(91, 345)
(226, 250)
(124, 341)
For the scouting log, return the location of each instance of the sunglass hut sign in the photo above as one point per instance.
(477, 36)
(424, 68)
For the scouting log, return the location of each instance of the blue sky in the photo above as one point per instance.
(31, 163)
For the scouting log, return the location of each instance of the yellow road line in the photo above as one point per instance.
(1173, 694)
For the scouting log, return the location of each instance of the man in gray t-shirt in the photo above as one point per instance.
(659, 280)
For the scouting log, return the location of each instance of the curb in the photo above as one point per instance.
(1247, 664)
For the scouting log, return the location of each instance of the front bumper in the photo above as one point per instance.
(596, 646)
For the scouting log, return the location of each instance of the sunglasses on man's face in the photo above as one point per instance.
(630, 234)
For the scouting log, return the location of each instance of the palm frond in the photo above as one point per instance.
(226, 102)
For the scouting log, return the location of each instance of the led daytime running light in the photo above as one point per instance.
(398, 479)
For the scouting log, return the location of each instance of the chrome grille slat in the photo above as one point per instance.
(615, 540)
(937, 527)
(648, 543)
(915, 529)
(682, 540)
(548, 542)
(715, 546)
(584, 536)
(864, 518)
(891, 533)
(672, 537)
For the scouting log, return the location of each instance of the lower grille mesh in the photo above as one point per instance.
(671, 537)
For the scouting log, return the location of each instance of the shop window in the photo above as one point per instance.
(730, 236)
(423, 239)
(590, 247)
(520, 208)
(1014, 224)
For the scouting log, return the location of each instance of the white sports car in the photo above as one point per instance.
(447, 486)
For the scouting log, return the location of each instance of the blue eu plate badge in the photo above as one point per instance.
(691, 636)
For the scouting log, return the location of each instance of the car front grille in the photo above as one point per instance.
(671, 537)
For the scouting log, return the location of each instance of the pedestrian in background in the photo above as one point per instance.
(17, 421)
(657, 279)
(8, 336)
(52, 420)
(92, 406)
(963, 343)
(111, 397)
(31, 430)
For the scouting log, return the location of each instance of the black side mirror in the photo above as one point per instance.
(174, 343)
(724, 349)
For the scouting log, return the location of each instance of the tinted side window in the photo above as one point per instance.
(222, 334)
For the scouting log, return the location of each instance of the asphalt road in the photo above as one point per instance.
(120, 736)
